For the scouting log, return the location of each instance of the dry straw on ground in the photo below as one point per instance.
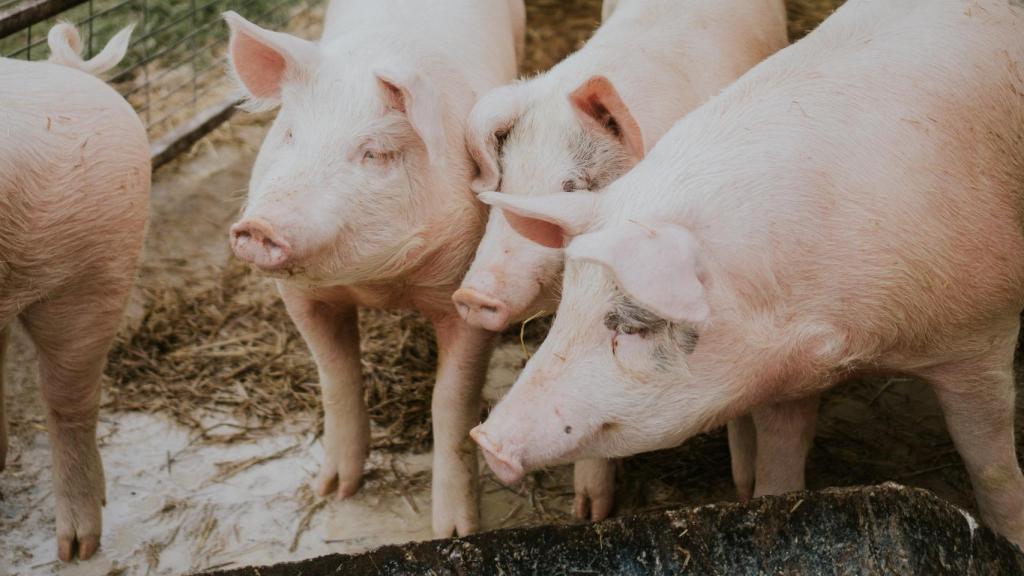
(231, 349)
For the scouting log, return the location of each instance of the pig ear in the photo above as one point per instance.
(656, 266)
(264, 60)
(546, 219)
(417, 98)
(600, 107)
(489, 123)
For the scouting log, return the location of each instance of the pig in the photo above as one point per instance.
(589, 119)
(853, 205)
(583, 124)
(360, 196)
(74, 201)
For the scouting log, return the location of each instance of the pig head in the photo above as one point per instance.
(547, 141)
(635, 313)
(344, 187)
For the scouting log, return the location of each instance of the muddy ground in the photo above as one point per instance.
(193, 485)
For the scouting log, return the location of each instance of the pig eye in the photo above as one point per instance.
(632, 349)
(626, 338)
(288, 136)
(628, 330)
(573, 185)
(378, 156)
(626, 326)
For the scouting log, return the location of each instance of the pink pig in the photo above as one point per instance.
(853, 205)
(589, 119)
(583, 124)
(74, 197)
(361, 196)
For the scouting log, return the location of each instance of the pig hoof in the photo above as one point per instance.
(79, 526)
(65, 548)
(347, 489)
(449, 527)
(331, 483)
(593, 508)
(466, 526)
(454, 501)
(594, 481)
(85, 545)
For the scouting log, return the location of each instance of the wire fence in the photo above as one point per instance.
(174, 72)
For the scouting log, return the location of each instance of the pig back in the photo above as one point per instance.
(907, 181)
(934, 175)
(74, 179)
(877, 166)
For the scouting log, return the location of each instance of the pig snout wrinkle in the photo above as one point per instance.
(508, 469)
(481, 310)
(255, 241)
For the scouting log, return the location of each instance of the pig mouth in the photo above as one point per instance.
(507, 467)
(511, 466)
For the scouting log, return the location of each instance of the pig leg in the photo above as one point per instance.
(594, 482)
(785, 432)
(977, 399)
(72, 335)
(463, 353)
(3, 415)
(743, 454)
(331, 330)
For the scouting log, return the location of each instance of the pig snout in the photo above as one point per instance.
(481, 310)
(507, 467)
(255, 241)
(532, 428)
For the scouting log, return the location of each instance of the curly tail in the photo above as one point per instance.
(66, 49)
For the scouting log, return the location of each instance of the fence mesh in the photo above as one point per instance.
(175, 66)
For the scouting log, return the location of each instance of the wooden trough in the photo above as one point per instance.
(887, 529)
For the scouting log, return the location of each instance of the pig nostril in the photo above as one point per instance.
(256, 242)
(568, 429)
(481, 309)
(242, 237)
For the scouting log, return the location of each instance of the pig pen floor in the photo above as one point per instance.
(209, 490)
